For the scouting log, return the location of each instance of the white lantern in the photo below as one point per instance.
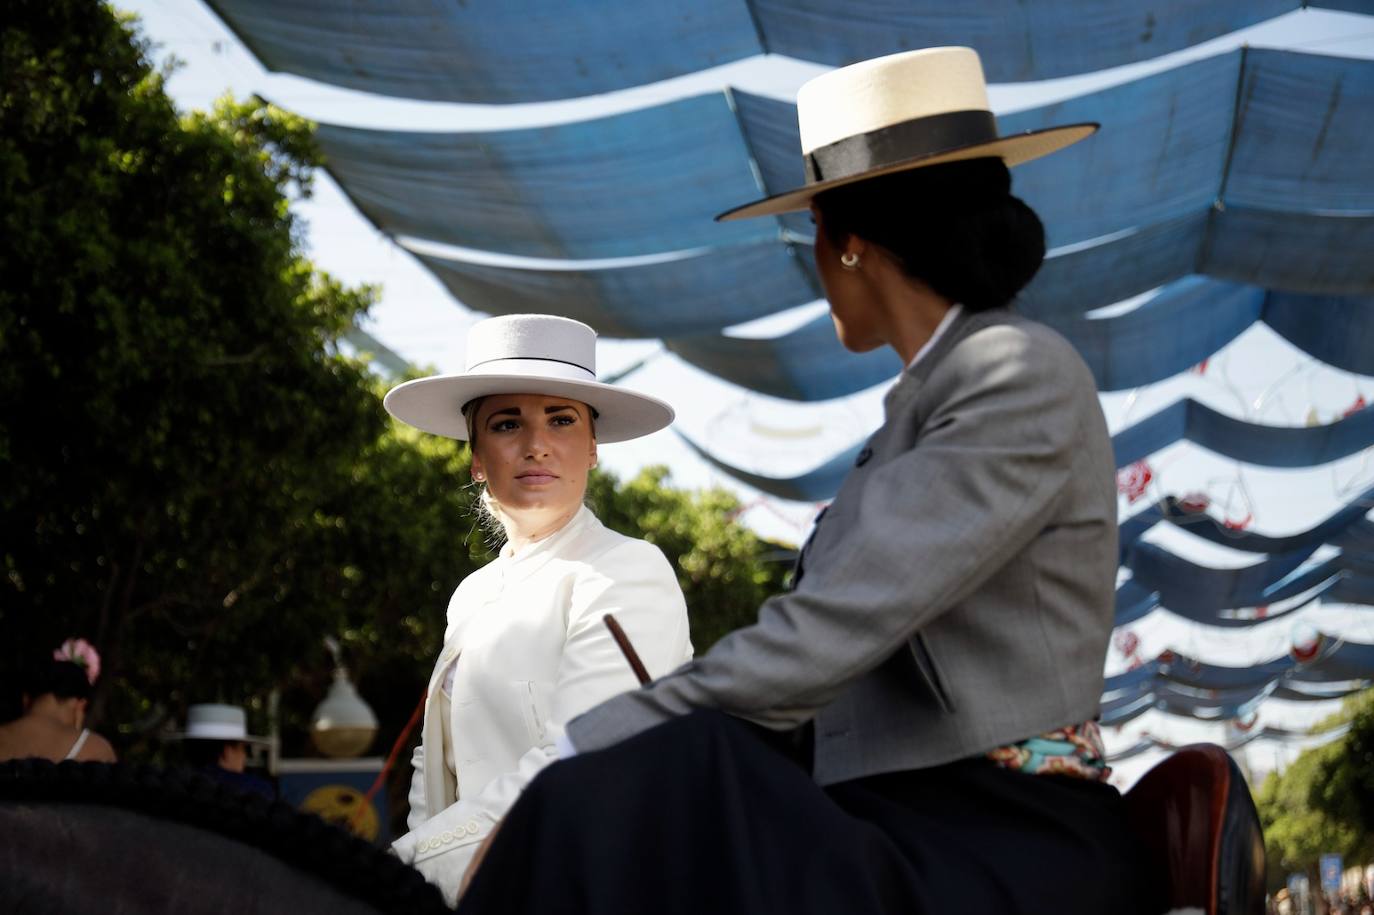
(344, 724)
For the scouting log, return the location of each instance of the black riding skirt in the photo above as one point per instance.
(706, 814)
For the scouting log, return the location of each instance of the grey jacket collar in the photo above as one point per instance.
(910, 381)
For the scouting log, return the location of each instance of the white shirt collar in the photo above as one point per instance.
(940, 329)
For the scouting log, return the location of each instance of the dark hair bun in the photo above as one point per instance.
(955, 226)
(63, 679)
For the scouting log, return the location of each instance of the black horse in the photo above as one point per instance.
(119, 838)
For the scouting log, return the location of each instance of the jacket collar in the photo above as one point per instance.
(535, 555)
(910, 381)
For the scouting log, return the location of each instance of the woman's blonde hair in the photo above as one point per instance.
(487, 508)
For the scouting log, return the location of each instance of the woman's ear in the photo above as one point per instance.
(855, 245)
(479, 473)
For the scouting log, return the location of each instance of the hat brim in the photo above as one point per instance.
(1013, 150)
(435, 404)
(223, 738)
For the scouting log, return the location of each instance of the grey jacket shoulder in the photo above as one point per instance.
(1002, 340)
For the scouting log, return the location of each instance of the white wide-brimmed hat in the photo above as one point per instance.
(212, 721)
(527, 354)
(900, 112)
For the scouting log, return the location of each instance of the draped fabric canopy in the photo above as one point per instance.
(1186, 686)
(1349, 523)
(1276, 193)
(1180, 326)
(643, 182)
(710, 288)
(649, 181)
(469, 52)
(1184, 420)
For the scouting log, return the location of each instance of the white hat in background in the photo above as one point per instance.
(212, 721)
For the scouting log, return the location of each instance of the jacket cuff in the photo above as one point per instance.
(455, 836)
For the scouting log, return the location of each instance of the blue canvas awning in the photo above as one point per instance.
(643, 182)
(1253, 443)
(650, 181)
(1183, 585)
(1343, 523)
(702, 291)
(530, 51)
(1185, 323)
(1195, 688)
(538, 50)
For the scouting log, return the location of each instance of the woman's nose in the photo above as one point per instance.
(536, 442)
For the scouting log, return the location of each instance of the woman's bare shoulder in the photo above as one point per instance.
(96, 749)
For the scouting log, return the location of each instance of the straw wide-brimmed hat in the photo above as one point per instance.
(900, 112)
(527, 354)
(213, 721)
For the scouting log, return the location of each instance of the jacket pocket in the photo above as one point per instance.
(930, 671)
(529, 694)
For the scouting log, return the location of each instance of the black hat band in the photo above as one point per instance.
(914, 139)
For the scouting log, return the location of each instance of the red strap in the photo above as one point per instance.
(390, 759)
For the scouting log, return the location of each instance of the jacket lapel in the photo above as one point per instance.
(441, 789)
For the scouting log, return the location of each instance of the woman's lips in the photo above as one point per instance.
(536, 477)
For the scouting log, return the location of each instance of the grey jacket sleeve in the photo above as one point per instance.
(934, 523)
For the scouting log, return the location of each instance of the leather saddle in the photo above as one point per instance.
(1194, 814)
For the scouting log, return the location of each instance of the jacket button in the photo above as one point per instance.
(448, 835)
(423, 846)
(863, 457)
(472, 827)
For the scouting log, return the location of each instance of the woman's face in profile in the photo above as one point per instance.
(534, 450)
(850, 309)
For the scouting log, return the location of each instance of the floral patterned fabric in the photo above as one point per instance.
(1076, 751)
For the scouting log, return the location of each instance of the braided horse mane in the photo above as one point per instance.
(115, 837)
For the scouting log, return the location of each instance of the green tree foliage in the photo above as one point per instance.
(195, 476)
(1321, 803)
(1344, 788)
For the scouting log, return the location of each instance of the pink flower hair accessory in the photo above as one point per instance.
(81, 653)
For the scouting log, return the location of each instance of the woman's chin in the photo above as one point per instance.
(860, 345)
(544, 500)
(851, 339)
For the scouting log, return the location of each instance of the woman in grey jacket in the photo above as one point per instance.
(911, 728)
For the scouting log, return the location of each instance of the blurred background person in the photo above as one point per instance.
(56, 692)
(217, 741)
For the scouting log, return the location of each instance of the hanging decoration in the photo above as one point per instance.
(1133, 481)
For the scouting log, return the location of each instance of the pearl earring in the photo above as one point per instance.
(849, 260)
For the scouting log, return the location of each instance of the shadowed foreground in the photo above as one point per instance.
(94, 837)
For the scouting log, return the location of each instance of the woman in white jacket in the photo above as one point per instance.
(526, 648)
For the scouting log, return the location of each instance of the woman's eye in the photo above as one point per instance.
(504, 425)
(564, 420)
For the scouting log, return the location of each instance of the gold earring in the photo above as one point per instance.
(849, 260)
